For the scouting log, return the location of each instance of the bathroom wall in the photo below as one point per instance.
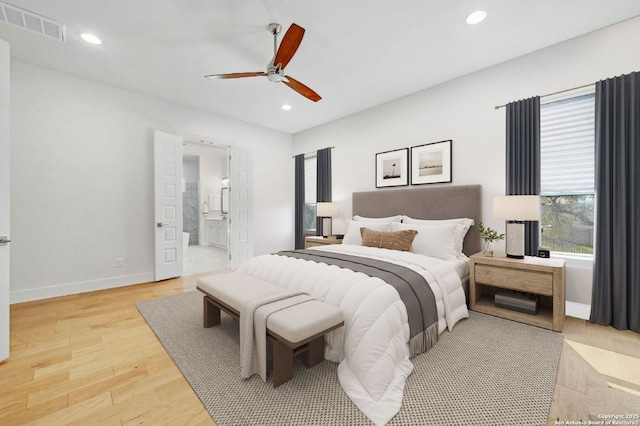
(190, 199)
(212, 166)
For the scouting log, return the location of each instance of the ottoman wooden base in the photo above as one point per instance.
(311, 347)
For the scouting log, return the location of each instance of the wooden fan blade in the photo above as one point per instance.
(236, 75)
(301, 88)
(289, 45)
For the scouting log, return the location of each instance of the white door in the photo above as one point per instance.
(4, 201)
(240, 205)
(168, 205)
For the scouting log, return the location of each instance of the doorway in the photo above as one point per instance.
(205, 220)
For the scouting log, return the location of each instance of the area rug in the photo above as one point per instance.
(487, 371)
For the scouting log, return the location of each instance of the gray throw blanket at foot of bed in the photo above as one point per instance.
(253, 329)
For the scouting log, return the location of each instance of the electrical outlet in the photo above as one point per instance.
(119, 262)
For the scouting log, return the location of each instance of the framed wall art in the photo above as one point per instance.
(392, 168)
(431, 163)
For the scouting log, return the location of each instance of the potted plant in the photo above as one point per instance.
(489, 236)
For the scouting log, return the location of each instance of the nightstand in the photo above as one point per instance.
(535, 275)
(320, 241)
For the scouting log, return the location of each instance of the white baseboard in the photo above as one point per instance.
(572, 309)
(577, 310)
(79, 287)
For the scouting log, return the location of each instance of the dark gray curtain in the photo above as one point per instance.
(323, 183)
(615, 297)
(299, 202)
(523, 159)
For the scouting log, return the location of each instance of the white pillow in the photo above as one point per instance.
(465, 222)
(435, 240)
(353, 236)
(397, 218)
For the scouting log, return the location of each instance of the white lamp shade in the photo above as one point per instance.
(326, 209)
(516, 207)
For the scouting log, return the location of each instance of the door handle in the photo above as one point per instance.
(160, 224)
(4, 240)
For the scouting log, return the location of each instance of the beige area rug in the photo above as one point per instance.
(488, 371)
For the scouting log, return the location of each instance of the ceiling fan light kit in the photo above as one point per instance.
(275, 74)
(281, 57)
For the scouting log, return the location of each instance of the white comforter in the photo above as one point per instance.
(372, 347)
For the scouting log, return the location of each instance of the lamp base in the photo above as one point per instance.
(515, 240)
(326, 227)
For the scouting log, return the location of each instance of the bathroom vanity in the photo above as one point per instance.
(216, 232)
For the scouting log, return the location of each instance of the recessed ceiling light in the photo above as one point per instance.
(476, 17)
(91, 38)
(286, 107)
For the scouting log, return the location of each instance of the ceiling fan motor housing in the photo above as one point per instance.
(275, 73)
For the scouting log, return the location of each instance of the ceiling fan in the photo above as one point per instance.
(281, 57)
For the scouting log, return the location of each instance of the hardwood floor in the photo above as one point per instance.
(92, 359)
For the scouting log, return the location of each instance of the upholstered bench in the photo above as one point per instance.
(295, 330)
(230, 292)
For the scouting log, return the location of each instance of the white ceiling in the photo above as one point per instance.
(355, 53)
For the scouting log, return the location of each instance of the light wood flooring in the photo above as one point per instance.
(92, 359)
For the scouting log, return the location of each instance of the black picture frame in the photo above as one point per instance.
(431, 163)
(392, 168)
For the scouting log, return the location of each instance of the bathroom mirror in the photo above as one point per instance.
(225, 201)
(214, 202)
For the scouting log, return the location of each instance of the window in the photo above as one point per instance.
(310, 177)
(567, 169)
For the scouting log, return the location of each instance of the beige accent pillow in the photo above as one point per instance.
(399, 240)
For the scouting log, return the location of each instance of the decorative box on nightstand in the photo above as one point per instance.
(542, 277)
(320, 241)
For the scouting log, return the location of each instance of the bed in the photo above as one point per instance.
(436, 203)
(374, 347)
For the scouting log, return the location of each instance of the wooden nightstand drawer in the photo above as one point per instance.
(515, 279)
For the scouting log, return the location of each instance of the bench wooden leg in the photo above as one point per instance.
(211, 313)
(315, 352)
(282, 363)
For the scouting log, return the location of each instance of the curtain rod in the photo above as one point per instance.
(554, 93)
(313, 152)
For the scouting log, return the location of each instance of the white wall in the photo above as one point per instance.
(82, 181)
(463, 110)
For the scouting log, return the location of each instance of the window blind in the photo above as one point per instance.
(310, 176)
(567, 146)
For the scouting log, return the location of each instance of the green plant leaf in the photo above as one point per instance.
(488, 234)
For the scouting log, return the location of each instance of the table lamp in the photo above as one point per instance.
(516, 209)
(326, 211)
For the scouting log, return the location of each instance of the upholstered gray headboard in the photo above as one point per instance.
(441, 202)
